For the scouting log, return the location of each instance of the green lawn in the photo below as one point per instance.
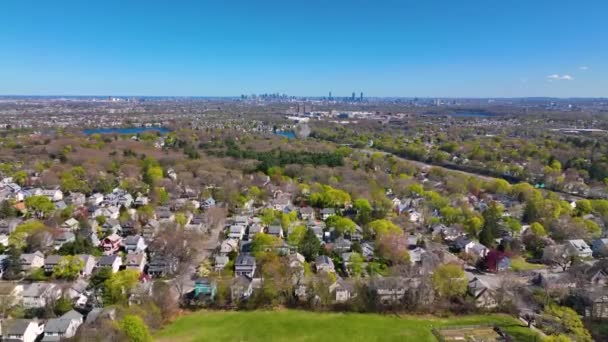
(294, 326)
(519, 264)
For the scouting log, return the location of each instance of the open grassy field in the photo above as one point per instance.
(296, 326)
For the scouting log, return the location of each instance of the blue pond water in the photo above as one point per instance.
(287, 134)
(124, 130)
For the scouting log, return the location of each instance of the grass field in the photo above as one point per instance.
(296, 326)
(519, 264)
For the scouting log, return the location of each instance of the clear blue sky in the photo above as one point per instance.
(408, 48)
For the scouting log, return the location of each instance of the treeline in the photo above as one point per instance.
(271, 159)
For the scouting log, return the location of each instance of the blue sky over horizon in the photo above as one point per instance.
(428, 48)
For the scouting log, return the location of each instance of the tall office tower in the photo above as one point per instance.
(361, 97)
(353, 97)
(330, 95)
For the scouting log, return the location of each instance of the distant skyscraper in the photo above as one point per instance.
(353, 97)
(330, 95)
(361, 97)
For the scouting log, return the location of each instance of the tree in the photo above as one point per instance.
(296, 235)
(355, 264)
(393, 247)
(473, 225)
(513, 225)
(364, 211)
(341, 224)
(62, 306)
(40, 205)
(264, 243)
(68, 268)
(135, 329)
(491, 228)
(566, 320)
(7, 210)
(538, 229)
(449, 281)
(583, 207)
(20, 177)
(310, 246)
(383, 226)
(18, 239)
(119, 285)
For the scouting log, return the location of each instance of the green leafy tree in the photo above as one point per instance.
(310, 246)
(69, 267)
(7, 210)
(264, 243)
(40, 205)
(566, 320)
(473, 225)
(341, 224)
(383, 226)
(364, 211)
(538, 229)
(20, 177)
(297, 235)
(492, 217)
(18, 238)
(583, 207)
(355, 264)
(62, 306)
(135, 329)
(449, 281)
(119, 285)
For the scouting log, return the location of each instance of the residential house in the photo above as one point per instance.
(579, 248)
(416, 255)
(163, 214)
(7, 226)
(393, 290)
(151, 229)
(112, 212)
(244, 265)
(367, 250)
(236, 231)
(476, 249)
(160, 266)
(484, 297)
(327, 213)
(88, 262)
(76, 199)
(228, 246)
(136, 261)
(11, 293)
(600, 248)
(111, 226)
(99, 314)
(275, 230)
(70, 224)
(324, 264)
(111, 244)
(30, 261)
(497, 261)
(220, 262)
(254, 229)
(141, 200)
(196, 224)
(22, 330)
(96, 199)
(241, 288)
(341, 245)
(50, 262)
(342, 290)
(62, 238)
(112, 261)
(204, 288)
(307, 213)
(54, 195)
(208, 203)
(37, 295)
(134, 244)
(63, 327)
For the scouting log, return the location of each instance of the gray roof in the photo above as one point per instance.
(36, 289)
(245, 260)
(15, 326)
(72, 314)
(57, 325)
(107, 260)
(53, 259)
(132, 239)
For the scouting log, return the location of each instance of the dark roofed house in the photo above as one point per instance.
(323, 263)
(244, 265)
(276, 230)
(241, 288)
(160, 266)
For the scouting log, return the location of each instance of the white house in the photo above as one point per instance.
(36, 295)
(579, 248)
(23, 330)
(134, 244)
(63, 327)
(112, 261)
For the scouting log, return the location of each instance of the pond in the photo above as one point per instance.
(124, 130)
(286, 134)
